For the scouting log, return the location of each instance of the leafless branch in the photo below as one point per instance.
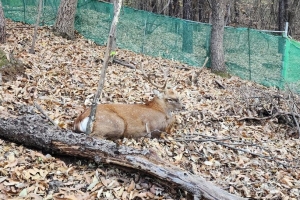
(270, 117)
(209, 4)
(231, 145)
(124, 63)
(44, 113)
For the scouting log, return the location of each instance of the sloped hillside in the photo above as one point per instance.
(235, 133)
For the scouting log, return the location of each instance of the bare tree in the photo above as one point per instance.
(282, 14)
(217, 33)
(2, 25)
(108, 54)
(31, 50)
(236, 14)
(294, 18)
(174, 8)
(187, 34)
(64, 24)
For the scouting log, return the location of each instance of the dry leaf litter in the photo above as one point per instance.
(218, 135)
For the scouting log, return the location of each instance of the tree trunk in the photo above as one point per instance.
(2, 25)
(174, 8)
(282, 14)
(201, 8)
(31, 50)
(64, 24)
(187, 35)
(33, 131)
(293, 19)
(236, 16)
(217, 34)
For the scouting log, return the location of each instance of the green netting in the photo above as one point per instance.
(26, 10)
(254, 55)
(146, 33)
(251, 54)
(292, 70)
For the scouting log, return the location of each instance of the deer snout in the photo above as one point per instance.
(182, 107)
(179, 106)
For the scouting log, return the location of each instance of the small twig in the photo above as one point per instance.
(183, 68)
(255, 97)
(255, 154)
(228, 145)
(29, 26)
(124, 63)
(231, 139)
(165, 7)
(205, 62)
(270, 117)
(220, 84)
(257, 118)
(43, 112)
(199, 140)
(208, 136)
(209, 3)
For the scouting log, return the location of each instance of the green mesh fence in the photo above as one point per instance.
(291, 71)
(254, 55)
(251, 54)
(26, 10)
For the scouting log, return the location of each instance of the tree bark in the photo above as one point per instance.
(34, 131)
(293, 18)
(64, 24)
(201, 13)
(174, 8)
(187, 35)
(217, 34)
(2, 25)
(236, 15)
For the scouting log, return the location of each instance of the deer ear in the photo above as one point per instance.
(169, 92)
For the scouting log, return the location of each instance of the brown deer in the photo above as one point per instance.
(114, 121)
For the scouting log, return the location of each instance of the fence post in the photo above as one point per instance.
(286, 29)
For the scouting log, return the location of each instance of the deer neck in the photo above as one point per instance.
(160, 105)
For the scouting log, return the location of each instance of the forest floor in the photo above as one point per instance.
(240, 135)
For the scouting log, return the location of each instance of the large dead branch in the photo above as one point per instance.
(35, 131)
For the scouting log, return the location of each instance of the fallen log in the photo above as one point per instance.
(35, 131)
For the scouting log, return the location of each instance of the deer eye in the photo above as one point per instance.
(172, 100)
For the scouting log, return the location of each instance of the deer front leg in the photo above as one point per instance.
(147, 130)
(170, 123)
